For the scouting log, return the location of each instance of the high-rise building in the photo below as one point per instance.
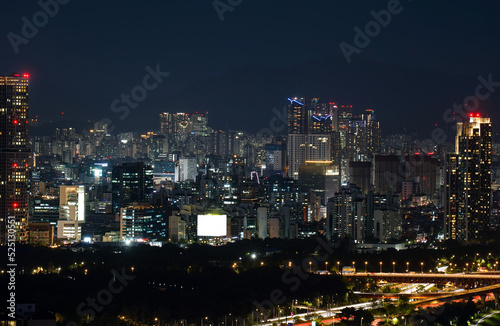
(387, 174)
(468, 181)
(346, 215)
(297, 116)
(360, 175)
(363, 136)
(302, 148)
(166, 123)
(71, 212)
(321, 178)
(187, 168)
(131, 182)
(14, 154)
(320, 117)
(423, 169)
(142, 222)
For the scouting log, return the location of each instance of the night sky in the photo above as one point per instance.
(90, 52)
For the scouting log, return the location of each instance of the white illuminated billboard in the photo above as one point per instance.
(212, 225)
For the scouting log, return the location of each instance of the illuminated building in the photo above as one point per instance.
(187, 168)
(363, 136)
(274, 159)
(468, 181)
(346, 215)
(14, 154)
(142, 222)
(320, 117)
(166, 123)
(388, 225)
(131, 182)
(321, 178)
(297, 116)
(71, 212)
(302, 148)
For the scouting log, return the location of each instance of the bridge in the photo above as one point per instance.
(465, 281)
(474, 284)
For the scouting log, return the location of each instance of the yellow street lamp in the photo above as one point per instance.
(380, 267)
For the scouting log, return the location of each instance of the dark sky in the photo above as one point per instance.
(90, 52)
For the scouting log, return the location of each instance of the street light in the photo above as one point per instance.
(422, 267)
(380, 267)
(366, 264)
(361, 321)
(467, 267)
(354, 265)
(326, 266)
(338, 266)
(394, 267)
(407, 266)
(310, 263)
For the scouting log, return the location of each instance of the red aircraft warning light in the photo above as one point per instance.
(26, 75)
(15, 122)
(15, 205)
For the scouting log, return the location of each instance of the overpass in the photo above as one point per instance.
(466, 281)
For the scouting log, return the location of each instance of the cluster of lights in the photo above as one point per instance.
(472, 115)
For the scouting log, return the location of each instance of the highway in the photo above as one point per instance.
(323, 313)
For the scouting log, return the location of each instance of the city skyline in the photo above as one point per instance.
(250, 163)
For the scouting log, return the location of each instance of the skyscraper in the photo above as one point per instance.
(14, 154)
(131, 182)
(468, 181)
(297, 116)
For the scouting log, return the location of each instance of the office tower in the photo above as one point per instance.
(297, 116)
(14, 155)
(187, 168)
(468, 181)
(387, 175)
(71, 212)
(321, 178)
(346, 215)
(131, 182)
(360, 175)
(142, 222)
